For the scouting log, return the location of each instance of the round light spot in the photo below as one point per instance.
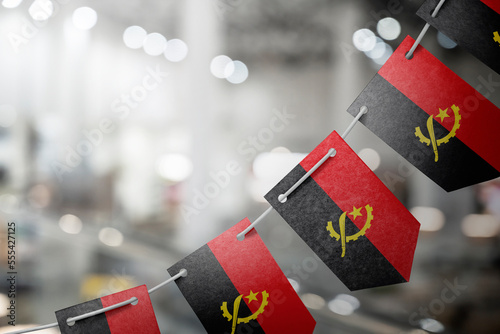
(481, 226)
(134, 37)
(364, 39)
(84, 18)
(387, 54)
(155, 44)
(431, 325)
(295, 285)
(445, 41)
(378, 50)
(70, 224)
(8, 116)
(236, 73)
(313, 301)
(174, 167)
(11, 3)
(370, 157)
(344, 304)
(389, 28)
(111, 237)
(176, 50)
(430, 219)
(222, 66)
(41, 10)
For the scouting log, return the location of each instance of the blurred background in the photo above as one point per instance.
(133, 132)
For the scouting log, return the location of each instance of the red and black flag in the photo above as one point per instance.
(129, 319)
(472, 24)
(433, 118)
(236, 287)
(349, 218)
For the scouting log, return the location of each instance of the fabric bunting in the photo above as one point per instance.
(236, 287)
(128, 319)
(472, 24)
(432, 118)
(349, 218)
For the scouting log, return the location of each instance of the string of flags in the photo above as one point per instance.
(333, 201)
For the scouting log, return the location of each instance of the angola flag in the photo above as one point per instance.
(236, 287)
(356, 226)
(128, 319)
(433, 118)
(472, 24)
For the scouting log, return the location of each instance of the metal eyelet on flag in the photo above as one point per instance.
(409, 54)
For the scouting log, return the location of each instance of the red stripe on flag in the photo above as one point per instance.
(131, 319)
(349, 182)
(251, 267)
(433, 86)
(493, 4)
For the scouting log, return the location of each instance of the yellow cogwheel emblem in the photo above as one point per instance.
(496, 37)
(236, 308)
(430, 128)
(356, 212)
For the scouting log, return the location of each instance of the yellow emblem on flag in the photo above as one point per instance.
(355, 213)
(430, 128)
(496, 37)
(236, 307)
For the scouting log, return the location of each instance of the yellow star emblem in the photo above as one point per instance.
(252, 296)
(443, 114)
(356, 212)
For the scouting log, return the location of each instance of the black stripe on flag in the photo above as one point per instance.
(393, 118)
(95, 324)
(363, 266)
(205, 287)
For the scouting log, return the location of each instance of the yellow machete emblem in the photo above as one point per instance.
(236, 308)
(430, 128)
(355, 213)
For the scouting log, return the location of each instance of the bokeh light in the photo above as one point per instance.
(344, 304)
(155, 44)
(84, 18)
(364, 39)
(430, 219)
(11, 3)
(480, 226)
(176, 50)
(222, 66)
(236, 72)
(41, 10)
(70, 224)
(134, 37)
(370, 157)
(111, 237)
(174, 167)
(389, 28)
(445, 41)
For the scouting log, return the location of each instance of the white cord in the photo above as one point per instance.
(282, 198)
(71, 321)
(424, 30)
